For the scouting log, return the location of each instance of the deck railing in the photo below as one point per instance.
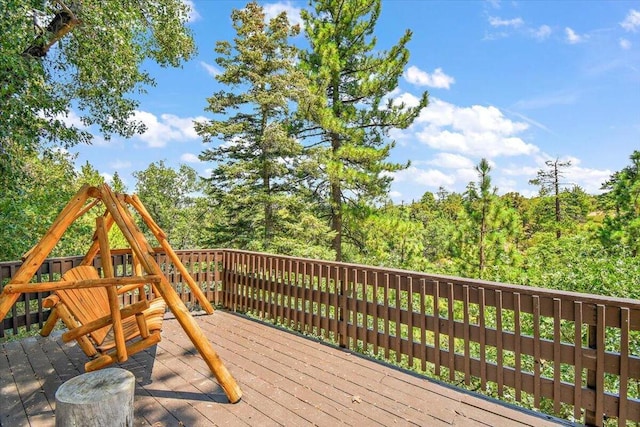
(205, 266)
(568, 354)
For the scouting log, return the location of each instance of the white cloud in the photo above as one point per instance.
(631, 21)
(625, 44)
(467, 175)
(589, 179)
(541, 33)
(476, 130)
(408, 99)
(167, 128)
(573, 37)
(212, 70)
(189, 158)
(451, 161)
(70, 119)
(396, 195)
(120, 164)
(498, 22)
(193, 13)
(428, 178)
(519, 170)
(438, 79)
(107, 177)
(274, 9)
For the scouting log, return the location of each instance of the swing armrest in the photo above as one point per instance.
(101, 322)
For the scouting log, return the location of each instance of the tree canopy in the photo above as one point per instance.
(89, 76)
(349, 129)
(254, 167)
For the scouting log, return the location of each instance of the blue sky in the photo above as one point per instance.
(516, 82)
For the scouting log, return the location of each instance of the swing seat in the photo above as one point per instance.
(86, 313)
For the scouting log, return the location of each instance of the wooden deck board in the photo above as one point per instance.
(286, 380)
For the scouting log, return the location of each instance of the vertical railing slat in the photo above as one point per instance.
(410, 319)
(557, 313)
(467, 341)
(398, 314)
(436, 328)
(387, 334)
(327, 286)
(536, 351)
(376, 328)
(423, 325)
(517, 336)
(577, 361)
(499, 344)
(451, 332)
(483, 338)
(600, 347)
(624, 367)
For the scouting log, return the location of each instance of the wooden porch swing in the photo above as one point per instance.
(89, 304)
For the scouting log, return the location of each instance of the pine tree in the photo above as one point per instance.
(347, 133)
(550, 181)
(254, 165)
(117, 184)
(622, 227)
(487, 237)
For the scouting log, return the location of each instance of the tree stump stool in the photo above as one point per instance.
(100, 398)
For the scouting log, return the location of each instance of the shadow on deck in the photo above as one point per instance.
(286, 380)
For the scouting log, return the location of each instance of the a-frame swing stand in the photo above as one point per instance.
(118, 213)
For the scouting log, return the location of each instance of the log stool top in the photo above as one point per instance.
(101, 398)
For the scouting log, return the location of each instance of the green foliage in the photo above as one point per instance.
(393, 239)
(347, 132)
(255, 165)
(170, 197)
(47, 183)
(96, 68)
(581, 264)
(483, 245)
(549, 181)
(622, 222)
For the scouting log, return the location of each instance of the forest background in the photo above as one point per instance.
(304, 165)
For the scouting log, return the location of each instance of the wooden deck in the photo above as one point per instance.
(286, 380)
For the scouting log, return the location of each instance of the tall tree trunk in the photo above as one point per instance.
(336, 203)
(266, 182)
(336, 220)
(336, 190)
(483, 232)
(557, 191)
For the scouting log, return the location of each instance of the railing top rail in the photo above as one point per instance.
(504, 287)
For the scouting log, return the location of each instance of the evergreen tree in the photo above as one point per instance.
(347, 132)
(549, 180)
(487, 231)
(253, 168)
(89, 175)
(117, 184)
(622, 226)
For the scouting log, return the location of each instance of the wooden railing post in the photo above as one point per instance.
(342, 298)
(590, 416)
(595, 379)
